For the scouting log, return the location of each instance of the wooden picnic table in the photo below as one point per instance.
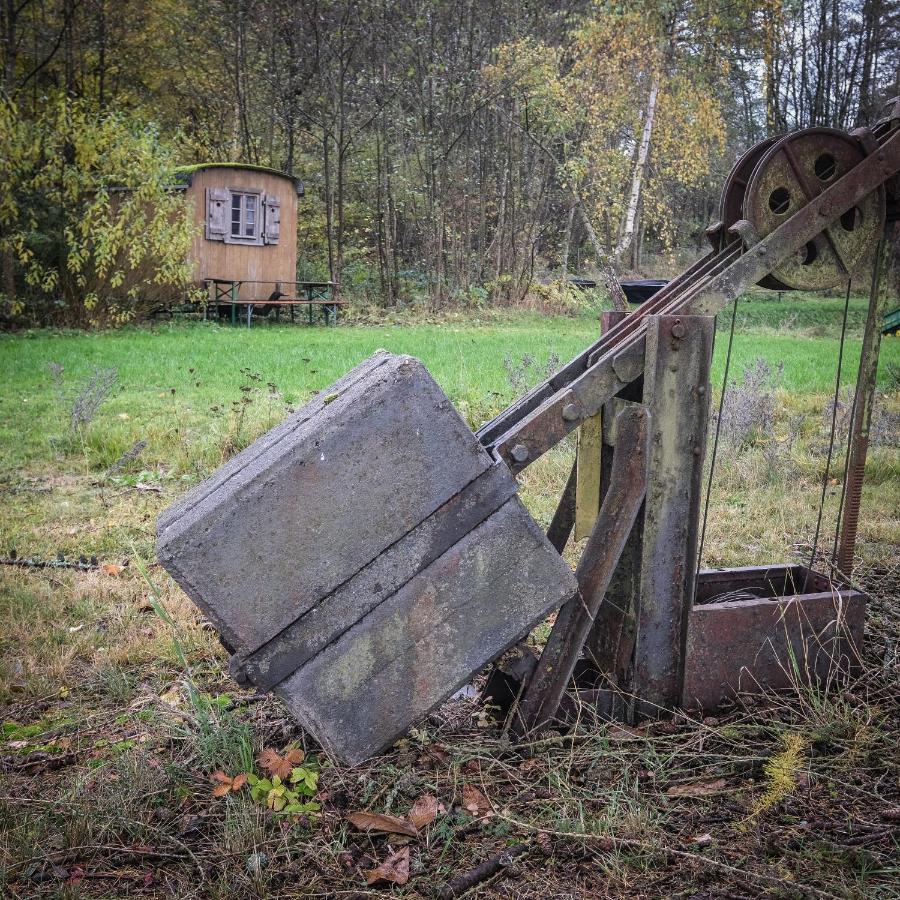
(226, 296)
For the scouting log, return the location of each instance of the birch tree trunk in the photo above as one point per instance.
(640, 167)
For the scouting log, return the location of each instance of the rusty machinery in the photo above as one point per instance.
(369, 555)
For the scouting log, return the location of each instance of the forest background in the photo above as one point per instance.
(453, 151)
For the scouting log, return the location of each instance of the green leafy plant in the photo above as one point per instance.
(287, 798)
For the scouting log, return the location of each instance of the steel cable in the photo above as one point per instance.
(834, 406)
(715, 450)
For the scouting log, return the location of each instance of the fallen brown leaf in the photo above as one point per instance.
(621, 733)
(475, 802)
(395, 868)
(282, 766)
(369, 821)
(698, 788)
(225, 784)
(424, 811)
(111, 569)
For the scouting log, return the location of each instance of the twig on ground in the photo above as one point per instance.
(491, 866)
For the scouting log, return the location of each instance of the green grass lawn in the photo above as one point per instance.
(117, 708)
(207, 364)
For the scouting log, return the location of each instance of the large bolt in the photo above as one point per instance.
(570, 412)
(519, 453)
(678, 329)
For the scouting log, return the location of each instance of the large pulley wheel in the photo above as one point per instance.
(731, 204)
(791, 173)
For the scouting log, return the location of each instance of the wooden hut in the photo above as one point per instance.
(245, 246)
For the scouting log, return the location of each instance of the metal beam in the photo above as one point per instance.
(573, 622)
(676, 386)
(865, 401)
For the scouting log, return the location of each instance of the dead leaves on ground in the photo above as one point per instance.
(475, 802)
(421, 814)
(424, 811)
(281, 765)
(382, 822)
(395, 869)
(706, 788)
(225, 784)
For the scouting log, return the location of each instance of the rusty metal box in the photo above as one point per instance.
(365, 557)
(769, 627)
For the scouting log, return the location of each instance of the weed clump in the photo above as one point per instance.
(748, 410)
(526, 373)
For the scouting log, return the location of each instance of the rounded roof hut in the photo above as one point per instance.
(247, 227)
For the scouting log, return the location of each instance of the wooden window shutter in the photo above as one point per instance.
(272, 207)
(217, 208)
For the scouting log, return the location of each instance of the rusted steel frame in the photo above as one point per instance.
(533, 398)
(546, 425)
(676, 383)
(864, 402)
(610, 644)
(564, 517)
(676, 304)
(595, 569)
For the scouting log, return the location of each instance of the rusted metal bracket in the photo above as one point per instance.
(595, 569)
(753, 628)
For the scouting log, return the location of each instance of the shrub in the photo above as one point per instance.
(90, 232)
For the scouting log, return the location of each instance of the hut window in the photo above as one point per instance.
(245, 217)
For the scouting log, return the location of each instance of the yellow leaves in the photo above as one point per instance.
(73, 164)
(781, 772)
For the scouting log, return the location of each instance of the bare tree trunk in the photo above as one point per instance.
(329, 201)
(612, 283)
(640, 167)
(567, 239)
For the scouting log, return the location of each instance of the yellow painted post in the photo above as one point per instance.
(589, 445)
(589, 452)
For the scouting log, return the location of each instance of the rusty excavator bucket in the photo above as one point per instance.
(370, 554)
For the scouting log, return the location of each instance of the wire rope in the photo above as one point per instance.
(834, 405)
(715, 449)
